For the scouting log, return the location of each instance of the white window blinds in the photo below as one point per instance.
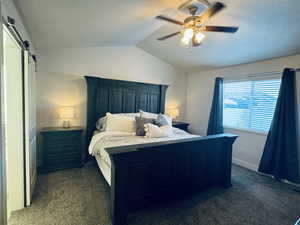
(250, 104)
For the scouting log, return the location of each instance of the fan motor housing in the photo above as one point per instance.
(191, 19)
(195, 7)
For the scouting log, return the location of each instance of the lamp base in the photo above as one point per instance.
(66, 124)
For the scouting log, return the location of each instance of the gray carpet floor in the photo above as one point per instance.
(81, 197)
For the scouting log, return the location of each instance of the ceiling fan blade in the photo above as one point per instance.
(160, 17)
(221, 29)
(168, 36)
(215, 8)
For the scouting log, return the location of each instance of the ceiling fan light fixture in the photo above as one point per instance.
(199, 37)
(185, 41)
(188, 34)
(195, 24)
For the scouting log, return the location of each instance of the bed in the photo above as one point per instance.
(104, 140)
(141, 171)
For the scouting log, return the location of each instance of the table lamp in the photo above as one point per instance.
(173, 113)
(66, 113)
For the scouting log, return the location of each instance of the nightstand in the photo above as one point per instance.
(62, 148)
(181, 125)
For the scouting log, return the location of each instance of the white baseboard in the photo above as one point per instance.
(255, 168)
(245, 164)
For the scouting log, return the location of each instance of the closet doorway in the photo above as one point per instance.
(19, 122)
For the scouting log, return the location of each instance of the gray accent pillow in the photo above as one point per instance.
(140, 122)
(161, 120)
(100, 124)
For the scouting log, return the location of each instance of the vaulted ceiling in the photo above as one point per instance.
(268, 29)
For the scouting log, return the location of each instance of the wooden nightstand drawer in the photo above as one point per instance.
(181, 125)
(62, 161)
(62, 155)
(67, 136)
(58, 147)
(62, 148)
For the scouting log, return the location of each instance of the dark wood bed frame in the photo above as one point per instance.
(147, 173)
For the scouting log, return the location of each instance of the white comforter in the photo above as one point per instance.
(106, 139)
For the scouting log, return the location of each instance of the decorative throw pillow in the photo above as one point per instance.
(100, 124)
(120, 123)
(163, 120)
(140, 122)
(153, 131)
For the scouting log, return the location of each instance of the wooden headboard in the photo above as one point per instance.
(117, 96)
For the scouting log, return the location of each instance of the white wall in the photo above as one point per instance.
(249, 146)
(60, 78)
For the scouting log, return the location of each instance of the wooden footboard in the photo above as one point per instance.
(147, 173)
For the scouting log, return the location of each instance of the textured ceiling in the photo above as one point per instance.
(88, 23)
(268, 29)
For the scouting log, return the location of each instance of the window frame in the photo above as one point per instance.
(247, 79)
(253, 131)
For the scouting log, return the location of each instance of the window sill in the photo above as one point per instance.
(262, 133)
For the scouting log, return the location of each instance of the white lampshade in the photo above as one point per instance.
(173, 112)
(66, 113)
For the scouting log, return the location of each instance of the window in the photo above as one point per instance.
(250, 104)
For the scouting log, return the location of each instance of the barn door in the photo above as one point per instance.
(13, 122)
(30, 126)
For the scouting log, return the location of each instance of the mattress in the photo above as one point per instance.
(106, 139)
(104, 168)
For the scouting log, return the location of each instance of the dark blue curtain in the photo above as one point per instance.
(215, 124)
(280, 156)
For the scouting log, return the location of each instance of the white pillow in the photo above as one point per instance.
(148, 114)
(120, 123)
(128, 114)
(153, 131)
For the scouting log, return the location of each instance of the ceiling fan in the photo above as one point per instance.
(195, 25)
